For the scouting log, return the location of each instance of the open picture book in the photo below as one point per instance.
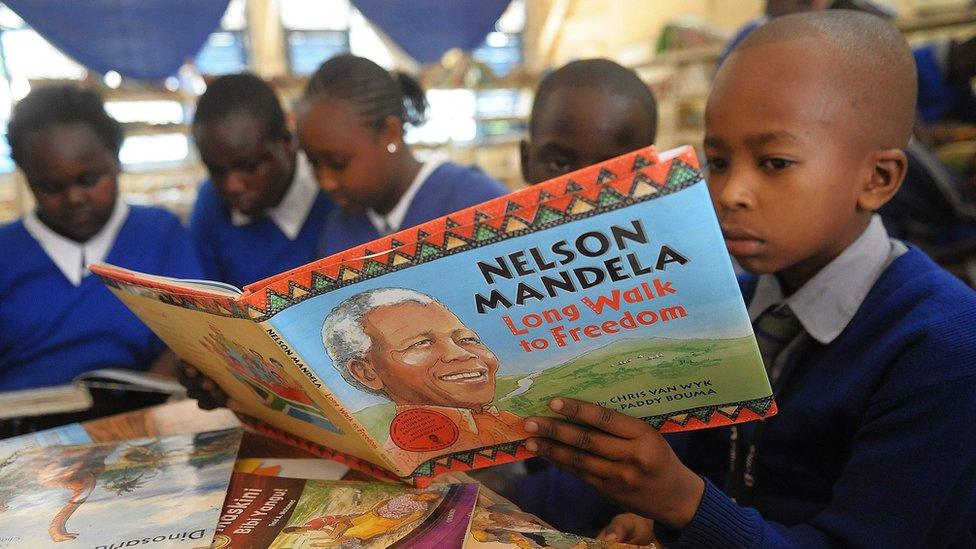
(421, 352)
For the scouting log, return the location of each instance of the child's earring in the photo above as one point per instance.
(391, 148)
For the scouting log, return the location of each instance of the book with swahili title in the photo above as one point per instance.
(264, 511)
(159, 492)
(422, 352)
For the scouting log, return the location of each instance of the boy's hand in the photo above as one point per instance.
(628, 528)
(621, 456)
(200, 387)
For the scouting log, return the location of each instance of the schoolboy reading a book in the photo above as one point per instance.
(262, 211)
(351, 126)
(584, 113)
(871, 347)
(58, 321)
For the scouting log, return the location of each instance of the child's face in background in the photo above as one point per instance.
(73, 177)
(250, 170)
(351, 160)
(581, 127)
(785, 154)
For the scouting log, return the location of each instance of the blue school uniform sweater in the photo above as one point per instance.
(937, 97)
(874, 443)
(51, 330)
(240, 255)
(448, 189)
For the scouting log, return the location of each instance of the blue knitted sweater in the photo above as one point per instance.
(874, 444)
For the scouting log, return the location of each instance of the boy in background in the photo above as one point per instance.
(584, 113)
(874, 366)
(262, 211)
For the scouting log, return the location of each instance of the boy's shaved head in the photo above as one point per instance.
(600, 74)
(868, 60)
(586, 112)
(805, 130)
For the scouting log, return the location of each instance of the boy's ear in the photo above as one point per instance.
(889, 167)
(363, 372)
(524, 158)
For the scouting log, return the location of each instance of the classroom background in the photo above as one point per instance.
(479, 61)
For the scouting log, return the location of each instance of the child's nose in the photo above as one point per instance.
(235, 183)
(737, 192)
(75, 195)
(326, 181)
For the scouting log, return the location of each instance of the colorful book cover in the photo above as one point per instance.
(287, 513)
(505, 526)
(153, 492)
(421, 352)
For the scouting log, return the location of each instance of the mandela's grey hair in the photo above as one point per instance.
(343, 334)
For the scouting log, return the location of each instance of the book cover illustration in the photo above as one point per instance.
(286, 513)
(502, 525)
(628, 300)
(266, 376)
(611, 284)
(152, 492)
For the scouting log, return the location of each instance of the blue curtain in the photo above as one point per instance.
(425, 29)
(145, 39)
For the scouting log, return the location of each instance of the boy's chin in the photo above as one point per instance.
(757, 265)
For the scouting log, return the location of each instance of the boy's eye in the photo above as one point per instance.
(775, 164)
(558, 165)
(716, 164)
(249, 167)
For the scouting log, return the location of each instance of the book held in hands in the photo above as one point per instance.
(422, 352)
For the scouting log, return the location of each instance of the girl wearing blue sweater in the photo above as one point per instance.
(351, 126)
(56, 320)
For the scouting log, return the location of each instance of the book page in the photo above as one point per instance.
(238, 353)
(611, 285)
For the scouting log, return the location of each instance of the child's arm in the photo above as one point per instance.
(623, 457)
(908, 482)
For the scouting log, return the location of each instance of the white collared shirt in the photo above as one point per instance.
(392, 221)
(290, 214)
(826, 304)
(72, 258)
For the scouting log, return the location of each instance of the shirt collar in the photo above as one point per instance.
(392, 221)
(826, 304)
(290, 214)
(72, 258)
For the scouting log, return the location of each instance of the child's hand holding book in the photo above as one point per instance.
(208, 394)
(623, 457)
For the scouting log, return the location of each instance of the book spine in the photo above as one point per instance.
(327, 395)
